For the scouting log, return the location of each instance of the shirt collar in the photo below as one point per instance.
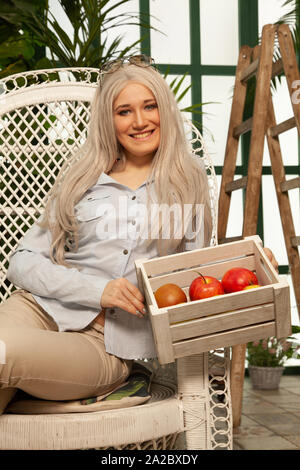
(106, 179)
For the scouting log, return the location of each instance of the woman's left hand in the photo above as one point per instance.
(271, 257)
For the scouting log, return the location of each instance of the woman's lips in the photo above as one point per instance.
(142, 135)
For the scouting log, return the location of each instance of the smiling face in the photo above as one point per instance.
(136, 120)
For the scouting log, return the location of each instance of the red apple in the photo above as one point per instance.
(236, 279)
(169, 294)
(205, 286)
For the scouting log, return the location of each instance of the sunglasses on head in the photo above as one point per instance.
(141, 60)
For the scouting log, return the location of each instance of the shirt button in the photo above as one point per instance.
(133, 222)
(133, 198)
(125, 252)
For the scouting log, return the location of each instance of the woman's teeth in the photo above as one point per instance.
(142, 136)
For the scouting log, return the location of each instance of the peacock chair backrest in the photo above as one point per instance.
(44, 116)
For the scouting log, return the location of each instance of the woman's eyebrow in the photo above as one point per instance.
(127, 105)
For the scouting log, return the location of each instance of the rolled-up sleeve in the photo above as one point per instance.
(31, 269)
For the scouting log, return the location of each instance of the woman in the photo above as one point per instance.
(76, 268)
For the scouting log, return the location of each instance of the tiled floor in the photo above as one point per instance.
(270, 418)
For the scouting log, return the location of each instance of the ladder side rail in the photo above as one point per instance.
(262, 93)
(263, 82)
(284, 205)
(236, 116)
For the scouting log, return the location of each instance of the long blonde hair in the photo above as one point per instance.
(178, 177)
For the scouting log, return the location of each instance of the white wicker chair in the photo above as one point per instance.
(44, 116)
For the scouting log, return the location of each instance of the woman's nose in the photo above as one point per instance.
(139, 120)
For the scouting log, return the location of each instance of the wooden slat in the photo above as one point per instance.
(220, 304)
(251, 70)
(223, 322)
(282, 310)
(242, 128)
(230, 239)
(263, 262)
(138, 264)
(282, 127)
(149, 295)
(184, 278)
(200, 257)
(277, 68)
(290, 184)
(262, 273)
(230, 338)
(236, 184)
(162, 335)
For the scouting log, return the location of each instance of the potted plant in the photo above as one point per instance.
(266, 359)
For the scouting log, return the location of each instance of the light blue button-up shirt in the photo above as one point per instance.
(109, 219)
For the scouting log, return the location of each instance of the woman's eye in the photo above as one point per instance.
(151, 106)
(124, 112)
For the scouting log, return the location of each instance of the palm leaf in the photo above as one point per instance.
(92, 21)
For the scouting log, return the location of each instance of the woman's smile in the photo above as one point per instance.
(143, 135)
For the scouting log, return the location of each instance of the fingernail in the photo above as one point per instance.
(139, 314)
(144, 310)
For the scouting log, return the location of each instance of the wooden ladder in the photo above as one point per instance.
(258, 61)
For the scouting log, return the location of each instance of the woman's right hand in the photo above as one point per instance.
(123, 294)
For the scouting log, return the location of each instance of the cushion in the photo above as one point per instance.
(135, 391)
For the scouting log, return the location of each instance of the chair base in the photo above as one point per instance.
(152, 425)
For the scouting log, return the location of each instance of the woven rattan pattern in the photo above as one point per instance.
(35, 140)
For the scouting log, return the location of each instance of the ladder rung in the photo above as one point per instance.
(236, 184)
(295, 241)
(290, 184)
(230, 239)
(250, 71)
(277, 68)
(282, 127)
(242, 128)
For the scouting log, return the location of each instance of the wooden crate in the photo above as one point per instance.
(221, 321)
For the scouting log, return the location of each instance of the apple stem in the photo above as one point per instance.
(201, 275)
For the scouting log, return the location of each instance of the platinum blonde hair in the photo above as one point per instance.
(178, 176)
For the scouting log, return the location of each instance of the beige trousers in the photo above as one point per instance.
(49, 364)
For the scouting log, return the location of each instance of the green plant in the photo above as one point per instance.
(20, 50)
(292, 18)
(26, 26)
(273, 352)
